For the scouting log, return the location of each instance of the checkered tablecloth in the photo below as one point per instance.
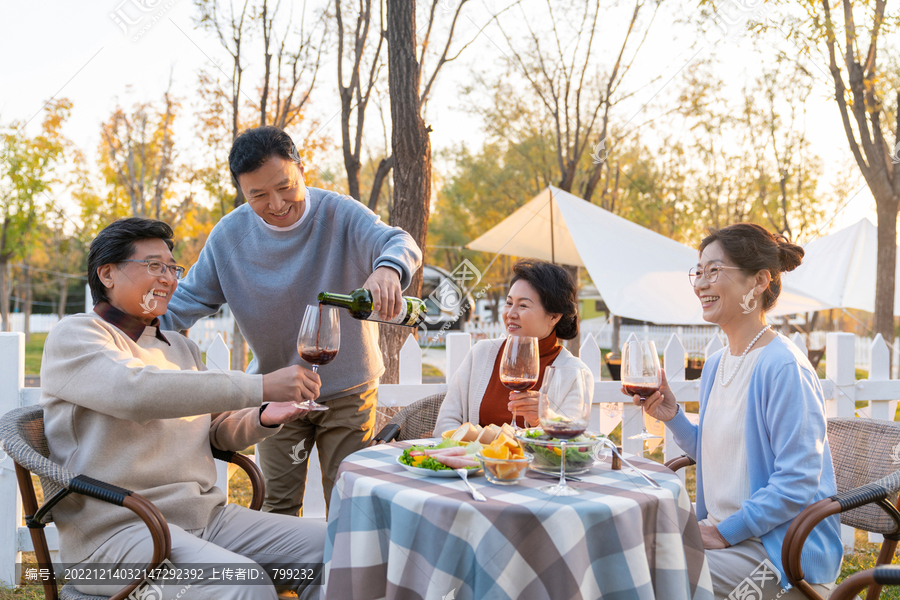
(400, 536)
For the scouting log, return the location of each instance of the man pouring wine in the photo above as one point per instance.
(268, 260)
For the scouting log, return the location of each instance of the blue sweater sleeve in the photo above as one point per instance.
(199, 294)
(685, 434)
(793, 415)
(382, 245)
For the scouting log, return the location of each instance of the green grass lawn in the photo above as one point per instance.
(431, 371)
(34, 350)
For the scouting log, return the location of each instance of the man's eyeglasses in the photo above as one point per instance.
(159, 268)
(710, 272)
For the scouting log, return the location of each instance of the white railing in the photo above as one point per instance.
(40, 323)
(694, 339)
(609, 408)
(862, 350)
(204, 331)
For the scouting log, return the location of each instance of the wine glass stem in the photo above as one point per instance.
(315, 369)
(643, 418)
(562, 466)
(514, 424)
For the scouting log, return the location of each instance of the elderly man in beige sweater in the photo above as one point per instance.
(134, 406)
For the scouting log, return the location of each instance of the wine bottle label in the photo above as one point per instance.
(406, 317)
(414, 315)
(400, 319)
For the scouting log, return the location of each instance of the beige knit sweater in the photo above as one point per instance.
(138, 415)
(466, 388)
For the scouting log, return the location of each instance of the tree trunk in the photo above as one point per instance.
(351, 162)
(411, 149)
(238, 345)
(63, 296)
(886, 268)
(4, 294)
(384, 167)
(616, 345)
(27, 297)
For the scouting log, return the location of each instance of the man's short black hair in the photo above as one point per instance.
(255, 146)
(116, 243)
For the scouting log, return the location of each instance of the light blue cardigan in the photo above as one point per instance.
(789, 459)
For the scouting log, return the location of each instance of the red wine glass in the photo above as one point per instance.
(519, 365)
(641, 377)
(564, 409)
(318, 342)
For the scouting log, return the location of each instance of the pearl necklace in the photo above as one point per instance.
(740, 360)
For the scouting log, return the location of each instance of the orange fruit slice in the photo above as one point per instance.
(492, 451)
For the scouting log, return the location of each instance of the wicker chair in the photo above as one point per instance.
(866, 455)
(22, 436)
(413, 422)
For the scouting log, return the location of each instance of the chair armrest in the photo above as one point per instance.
(143, 508)
(106, 492)
(680, 462)
(884, 575)
(877, 491)
(887, 575)
(795, 538)
(253, 473)
(806, 521)
(388, 433)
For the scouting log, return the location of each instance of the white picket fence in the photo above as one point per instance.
(37, 323)
(694, 339)
(862, 350)
(609, 408)
(204, 331)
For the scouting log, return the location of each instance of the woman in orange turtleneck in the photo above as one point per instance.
(542, 303)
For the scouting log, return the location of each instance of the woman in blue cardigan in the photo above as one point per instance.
(761, 450)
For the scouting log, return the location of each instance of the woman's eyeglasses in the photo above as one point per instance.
(710, 272)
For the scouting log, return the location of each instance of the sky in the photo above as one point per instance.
(108, 52)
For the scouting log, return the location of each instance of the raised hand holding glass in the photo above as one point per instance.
(318, 342)
(641, 377)
(519, 365)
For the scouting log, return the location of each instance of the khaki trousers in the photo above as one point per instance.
(737, 572)
(347, 426)
(235, 538)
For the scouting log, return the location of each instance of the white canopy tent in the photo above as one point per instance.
(640, 273)
(840, 268)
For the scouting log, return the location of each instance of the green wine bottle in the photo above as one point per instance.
(359, 304)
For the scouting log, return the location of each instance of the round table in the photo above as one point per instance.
(400, 536)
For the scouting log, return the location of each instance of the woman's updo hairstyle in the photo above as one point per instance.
(753, 249)
(556, 291)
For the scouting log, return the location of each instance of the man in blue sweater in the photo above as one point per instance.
(268, 259)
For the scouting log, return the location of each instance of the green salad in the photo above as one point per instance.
(429, 462)
(575, 455)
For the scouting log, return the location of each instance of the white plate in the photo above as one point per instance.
(430, 473)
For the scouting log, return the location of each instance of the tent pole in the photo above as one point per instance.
(552, 244)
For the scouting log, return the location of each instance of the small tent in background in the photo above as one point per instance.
(840, 269)
(640, 274)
